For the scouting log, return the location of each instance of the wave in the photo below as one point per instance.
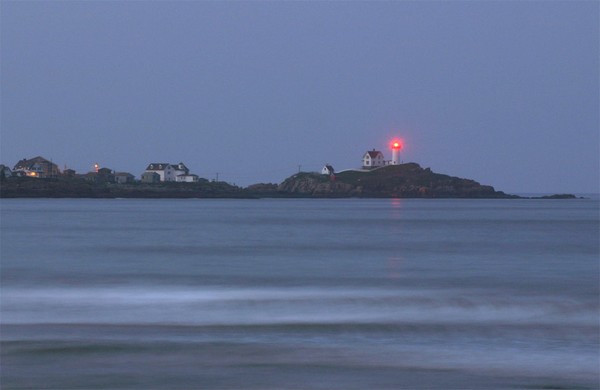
(246, 306)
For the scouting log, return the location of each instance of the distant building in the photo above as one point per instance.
(373, 159)
(327, 170)
(191, 178)
(104, 175)
(69, 173)
(163, 170)
(168, 172)
(181, 169)
(124, 178)
(90, 176)
(37, 167)
(150, 177)
(5, 171)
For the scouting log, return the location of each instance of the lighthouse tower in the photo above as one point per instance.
(396, 146)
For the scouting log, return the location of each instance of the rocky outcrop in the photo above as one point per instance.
(403, 181)
(314, 184)
(557, 196)
(262, 188)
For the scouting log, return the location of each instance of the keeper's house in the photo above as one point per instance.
(373, 159)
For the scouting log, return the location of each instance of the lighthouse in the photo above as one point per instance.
(396, 146)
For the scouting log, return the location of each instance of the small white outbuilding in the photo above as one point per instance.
(327, 170)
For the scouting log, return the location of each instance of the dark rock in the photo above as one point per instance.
(558, 196)
(80, 188)
(403, 181)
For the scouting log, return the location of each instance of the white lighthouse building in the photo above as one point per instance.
(396, 146)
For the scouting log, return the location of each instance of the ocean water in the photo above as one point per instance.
(310, 294)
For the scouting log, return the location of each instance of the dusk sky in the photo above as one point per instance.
(506, 93)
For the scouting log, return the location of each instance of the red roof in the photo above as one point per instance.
(374, 153)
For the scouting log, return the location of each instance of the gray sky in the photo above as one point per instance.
(506, 93)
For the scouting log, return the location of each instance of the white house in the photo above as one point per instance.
(327, 170)
(168, 172)
(163, 170)
(373, 159)
(180, 169)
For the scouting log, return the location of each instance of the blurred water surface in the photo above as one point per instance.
(345, 294)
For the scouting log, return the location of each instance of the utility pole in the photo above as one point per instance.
(299, 167)
(217, 174)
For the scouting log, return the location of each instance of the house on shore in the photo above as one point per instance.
(168, 172)
(69, 173)
(327, 170)
(150, 177)
(37, 167)
(124, 178)
(104, 175)
(5, 171)
(373, 159)
(189, 178)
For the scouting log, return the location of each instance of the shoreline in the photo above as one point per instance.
(405, 181)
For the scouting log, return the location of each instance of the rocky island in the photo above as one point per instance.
(393, 181)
